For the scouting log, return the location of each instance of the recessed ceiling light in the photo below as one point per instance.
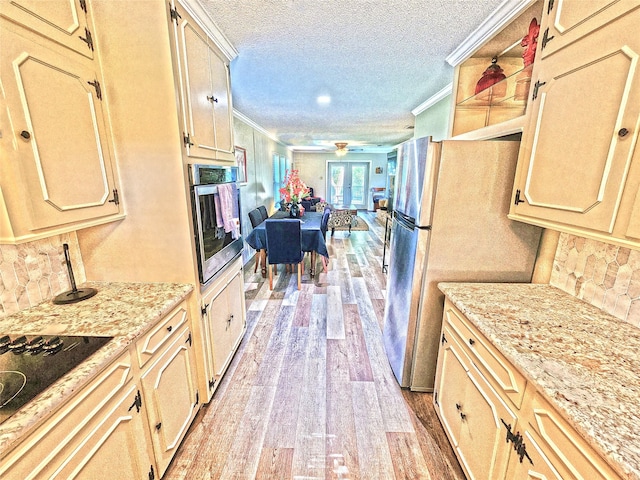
(323, 99)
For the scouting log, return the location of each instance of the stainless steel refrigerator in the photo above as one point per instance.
(450, 224)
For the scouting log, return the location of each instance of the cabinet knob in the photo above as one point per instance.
(212, 99)
(471, 341)
(158, 425)
(169, 328)
(623, 132)
(24, 134)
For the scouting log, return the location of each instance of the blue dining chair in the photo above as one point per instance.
(324, 223)
(263, 212)
(255, 217)
(284, 245)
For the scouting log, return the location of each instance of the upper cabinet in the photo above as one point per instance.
(57, 169)
(62, 21)
(203, 72)
(579, 166)
(490, 88)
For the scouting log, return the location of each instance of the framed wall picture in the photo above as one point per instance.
(241, 160)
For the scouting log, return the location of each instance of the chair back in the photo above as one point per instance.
(284, 240)
(324, 223)
(255, 217)
(263, 212)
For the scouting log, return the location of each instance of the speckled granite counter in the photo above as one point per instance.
(585, 361)
(120, 310)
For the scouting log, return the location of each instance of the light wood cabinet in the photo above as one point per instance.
(205, 91)
(62, 21)
(495, 433)
(58, 174)
(128, 421)
(223, 323)
(171, 396)
(101, 429)
(570, 20)
(578, 169)
(472, 413)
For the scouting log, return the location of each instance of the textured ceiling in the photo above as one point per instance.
(376, 59)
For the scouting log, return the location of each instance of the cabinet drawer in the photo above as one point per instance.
(161, 334)
(51, 443)
(572, 455)
(503, 376)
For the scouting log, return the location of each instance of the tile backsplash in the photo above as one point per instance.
(31, 273)
(606, 276)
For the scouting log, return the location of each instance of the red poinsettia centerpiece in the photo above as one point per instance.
(294, 189)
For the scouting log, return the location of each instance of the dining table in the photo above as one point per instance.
(313, 239)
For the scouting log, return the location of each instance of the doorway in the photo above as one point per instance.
(348, 184)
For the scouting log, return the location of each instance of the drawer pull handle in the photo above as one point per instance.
(24, 134)
(463, 416)
(471, 341)
(158, 425)
(169, 328)
(458, 406)
(623, 132)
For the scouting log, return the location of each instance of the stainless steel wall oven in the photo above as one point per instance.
(215, 205)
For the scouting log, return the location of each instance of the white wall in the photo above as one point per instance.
(434, 121)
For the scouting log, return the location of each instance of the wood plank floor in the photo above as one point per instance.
(310, 393)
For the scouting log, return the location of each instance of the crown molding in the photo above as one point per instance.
(242, 117)
(430, 102)
(505, 13)
(200, 14)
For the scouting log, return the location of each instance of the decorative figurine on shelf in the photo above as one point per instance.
(490, 77)
(529, 42)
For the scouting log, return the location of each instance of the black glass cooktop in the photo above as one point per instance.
(31, 363)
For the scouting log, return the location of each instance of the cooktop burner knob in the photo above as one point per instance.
(53, 346)
(19, 345)
(4, 344)
(36, 346)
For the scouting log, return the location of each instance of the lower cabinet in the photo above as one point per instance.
(473, 415)
(503, 429)
(170, 395)
(222, 325)
(128, 422)
(102, 429)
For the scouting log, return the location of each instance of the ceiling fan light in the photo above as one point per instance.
(341, 149)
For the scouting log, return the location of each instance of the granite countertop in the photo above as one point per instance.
(583, 360)
(120, 310)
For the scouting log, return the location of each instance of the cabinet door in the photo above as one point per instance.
(63, 21)
(569, 20)
(116, 444)
(536, 465)
(228, 325)
(206, 93)
(578, 147)
(226, 322)
(473, 415)
(223, 114)
(450, 386)
(59, 136)
(171, 396)
(482, 448)
(197, 95)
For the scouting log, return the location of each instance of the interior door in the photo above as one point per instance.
(348, 184)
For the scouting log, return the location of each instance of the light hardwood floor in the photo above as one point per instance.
(310, 393)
